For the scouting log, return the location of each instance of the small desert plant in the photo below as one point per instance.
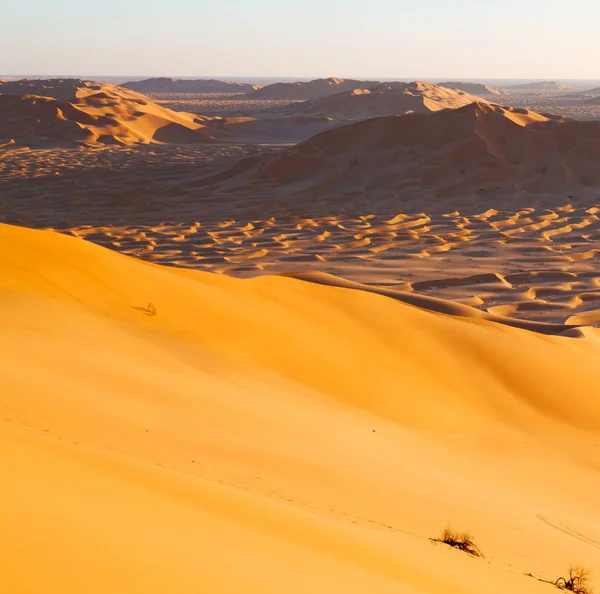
(149, 310)
(459, 540)
(578, 580)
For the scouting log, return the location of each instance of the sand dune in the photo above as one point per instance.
(74, 111)
(472, 88)
(416, 97)
(522, 265)
(285, 128)
(181, 85)
(476, 148)
(313, 437)
(305, 91)
(62, 88)
(544, 85)
(484, 206)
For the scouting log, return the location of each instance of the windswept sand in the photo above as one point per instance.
(360, 104)
(273, 435)
(296, 364)
(304, 91)
(293, 121)
(42, 112)
(476, 154)
(489, 207)
(473, 88)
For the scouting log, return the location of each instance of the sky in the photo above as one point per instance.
(542, 39)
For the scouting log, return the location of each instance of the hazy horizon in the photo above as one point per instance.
(267, 80)
(533, 40)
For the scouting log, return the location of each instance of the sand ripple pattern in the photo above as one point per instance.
(537, 264)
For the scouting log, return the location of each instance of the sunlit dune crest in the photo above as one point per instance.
(382, 100)
(75, 111)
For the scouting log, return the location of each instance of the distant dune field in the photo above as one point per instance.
(294, 339)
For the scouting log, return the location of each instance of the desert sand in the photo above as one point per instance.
(304, 91)
(73, 111)
(361, 104)
(311, 435)
(251, 364)
(473, 88)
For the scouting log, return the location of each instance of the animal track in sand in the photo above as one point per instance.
(566, 528)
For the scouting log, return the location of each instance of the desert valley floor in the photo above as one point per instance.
(272, 340)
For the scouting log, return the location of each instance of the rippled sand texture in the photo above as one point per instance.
(486, 206)
(530, 264)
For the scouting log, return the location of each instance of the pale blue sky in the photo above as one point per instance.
(368, 38)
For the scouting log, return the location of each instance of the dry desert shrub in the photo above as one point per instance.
(149, 310)
(578, 580)
(459, 540)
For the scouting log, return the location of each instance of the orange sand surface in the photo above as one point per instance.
(232, 363)
(171, 430)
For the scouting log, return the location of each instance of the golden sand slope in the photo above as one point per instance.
(529, 264)
(417, 97)
(277, 436)
(73, 111)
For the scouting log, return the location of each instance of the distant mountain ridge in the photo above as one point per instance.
(383, 100)
(56, 88)
(472, 88)
(543, 85)
(314, 89)
(180, 85)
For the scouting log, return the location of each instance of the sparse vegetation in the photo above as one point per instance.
(459, 540)
(578, 580)
(149, 310)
